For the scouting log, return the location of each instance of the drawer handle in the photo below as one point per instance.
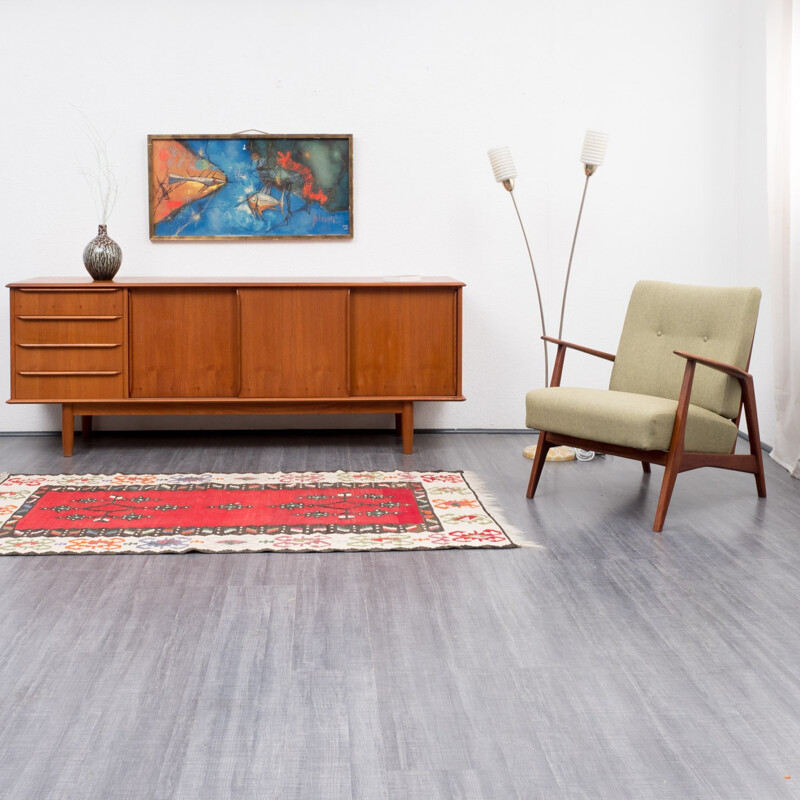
(73, 291)
(53, 317)
(85, 345)
(67, 373)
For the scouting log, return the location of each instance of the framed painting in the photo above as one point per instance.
(250, 186)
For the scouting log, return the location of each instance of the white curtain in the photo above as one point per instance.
(783, 131)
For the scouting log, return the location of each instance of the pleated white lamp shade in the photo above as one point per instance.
(502, 164)
(594, 148)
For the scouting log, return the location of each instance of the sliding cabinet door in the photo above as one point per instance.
(184, 342)
(405, 341)
(294, 342)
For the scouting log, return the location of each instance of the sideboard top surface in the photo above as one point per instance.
(87, 282)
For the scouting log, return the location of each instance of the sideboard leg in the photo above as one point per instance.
(67, 428)
(408, 427)
(86, 426)
(398, 424)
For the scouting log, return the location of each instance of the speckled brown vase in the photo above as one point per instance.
(102, 256)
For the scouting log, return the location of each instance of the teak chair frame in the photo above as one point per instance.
(676, 459)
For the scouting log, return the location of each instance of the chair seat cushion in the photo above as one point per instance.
(622, 418)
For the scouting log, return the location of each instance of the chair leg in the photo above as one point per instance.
(755, 451)
(675, 455)
(667, 485)
(755, 442)
(646, 467)
(753, 434)
(761, 484)
(542, 446)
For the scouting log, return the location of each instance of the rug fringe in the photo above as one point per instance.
(490, 503)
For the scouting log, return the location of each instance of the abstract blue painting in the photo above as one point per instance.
(251, 186)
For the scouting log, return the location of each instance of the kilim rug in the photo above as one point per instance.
(241, 513)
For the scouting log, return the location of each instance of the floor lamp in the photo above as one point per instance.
(592, 156)
(505, 172)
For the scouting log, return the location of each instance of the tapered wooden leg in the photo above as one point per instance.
(407, 427)
(646, 467)
(761, 484)
(667, 485)
(753, 434)
(542, 446)
(755, 449)
(67, 428)
(675, 454)
(86, 426)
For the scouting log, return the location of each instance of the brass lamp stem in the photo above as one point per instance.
(535, 280)
(589, 170)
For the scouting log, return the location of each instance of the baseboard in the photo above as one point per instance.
(278, 431)
(767, 448)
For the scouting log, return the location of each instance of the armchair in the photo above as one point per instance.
(676, 393)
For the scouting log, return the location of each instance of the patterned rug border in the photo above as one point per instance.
(165, 544)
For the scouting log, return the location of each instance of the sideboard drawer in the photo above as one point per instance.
(39, 358)
(68, 303)
(68, 331)
(43, 385)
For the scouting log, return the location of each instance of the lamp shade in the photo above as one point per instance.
(502, 164)
(594, 148)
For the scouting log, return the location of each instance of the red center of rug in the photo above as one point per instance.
(107, 509)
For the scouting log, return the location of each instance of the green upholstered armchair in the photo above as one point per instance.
(677, 388)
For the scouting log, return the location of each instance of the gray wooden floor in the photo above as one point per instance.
(611, 663)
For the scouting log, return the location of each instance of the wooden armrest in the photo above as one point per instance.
(748, 403)
(562, 343)
(728, 369)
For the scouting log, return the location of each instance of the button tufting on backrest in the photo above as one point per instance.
(716, 321)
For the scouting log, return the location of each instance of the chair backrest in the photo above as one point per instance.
(717, 323)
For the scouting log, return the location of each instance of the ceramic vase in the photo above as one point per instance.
(102, 256)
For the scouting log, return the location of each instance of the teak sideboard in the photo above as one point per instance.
(227, 346)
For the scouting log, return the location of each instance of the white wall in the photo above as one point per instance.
(426, 88)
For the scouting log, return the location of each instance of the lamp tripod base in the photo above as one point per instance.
(561, 453)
